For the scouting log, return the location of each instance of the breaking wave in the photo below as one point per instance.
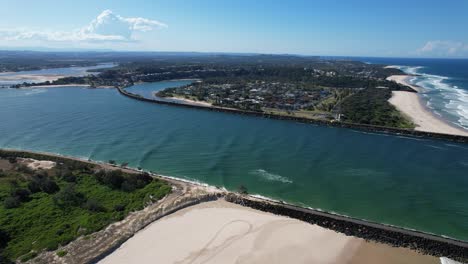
(443, 98)
(270, 176)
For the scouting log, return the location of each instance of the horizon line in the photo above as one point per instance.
(59, 50)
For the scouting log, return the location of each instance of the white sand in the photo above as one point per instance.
(221, 232)
(31, 77)
(192, 102)
(56, 86)
(38, 164)
(411, 105)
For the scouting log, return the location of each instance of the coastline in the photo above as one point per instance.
(65, 86)
(412, 106)
(356, 126)
(35, 77)
(188, 193)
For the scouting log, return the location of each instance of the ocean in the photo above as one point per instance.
(414, 183)
(444, 83)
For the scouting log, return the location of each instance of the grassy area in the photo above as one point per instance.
(34, 217)
(312, 114)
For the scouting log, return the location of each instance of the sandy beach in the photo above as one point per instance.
(188, 101)
(30, 77)
(222, 232)
(56, 86)
(411, 106)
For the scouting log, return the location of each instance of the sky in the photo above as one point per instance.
(397, 28)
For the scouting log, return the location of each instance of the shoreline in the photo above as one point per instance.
(413, 107)
(185, 101)
(61, 86)
(363, 127)
(435, 245)
(449, 132)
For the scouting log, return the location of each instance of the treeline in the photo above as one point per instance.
(370, 106)
(326, 73)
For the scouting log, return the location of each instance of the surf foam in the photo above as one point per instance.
(270, 176)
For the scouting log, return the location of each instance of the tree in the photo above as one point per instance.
(119, 207)
(48, 186)
(68, 196)
(67, 175)
(34, 186)
(22, 195)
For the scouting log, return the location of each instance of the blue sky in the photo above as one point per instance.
(350, 28)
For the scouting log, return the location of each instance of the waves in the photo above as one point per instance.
(443, 97)
(448, 261)
(270, 176)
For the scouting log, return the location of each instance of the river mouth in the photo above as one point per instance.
(52, 74)
(408, 182)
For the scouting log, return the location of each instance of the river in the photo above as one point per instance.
(408, 182)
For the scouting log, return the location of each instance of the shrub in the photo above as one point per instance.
(4, 238)
(24, 169)
(28, 256)
(93, 206)
(11, 202)
(68, 196)
(119, 207)
(113, 179)
(22, 195)
(128, 186)
(68, 176)
(62, 253)
(13, 183)
(34, 186)
(48, 186)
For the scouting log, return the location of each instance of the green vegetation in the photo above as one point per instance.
(45, 209)
(310, 87)
(371, 106)
(62, 253)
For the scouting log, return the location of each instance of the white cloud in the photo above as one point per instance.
(107, 26)
(444, 48)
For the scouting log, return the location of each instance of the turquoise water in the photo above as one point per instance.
(147, 89)
(413, 183)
